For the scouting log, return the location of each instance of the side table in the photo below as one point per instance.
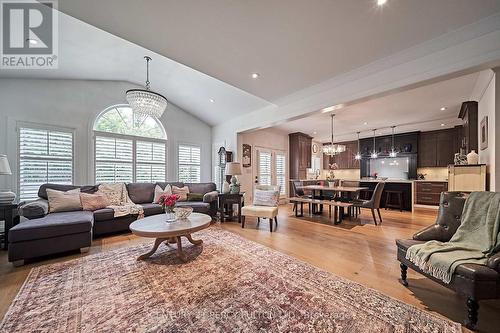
(8, 213)
(226, 201)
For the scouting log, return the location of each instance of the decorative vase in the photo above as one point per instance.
(170, 214)
(472, 157)
(225, 187)
(460, 159)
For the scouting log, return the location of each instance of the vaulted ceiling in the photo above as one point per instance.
(205, 50)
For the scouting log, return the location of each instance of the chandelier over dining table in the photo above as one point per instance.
(146, 101)
(333, 149)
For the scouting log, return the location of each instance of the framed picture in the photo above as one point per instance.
(315, 148)
(483, 134)
(247, 156)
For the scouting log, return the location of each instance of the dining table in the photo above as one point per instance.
(338, 189)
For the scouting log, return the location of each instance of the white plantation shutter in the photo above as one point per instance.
(113, 160)
(189, 158)
(150, 161)
(44, 156)
(280, 172)
(264, 168)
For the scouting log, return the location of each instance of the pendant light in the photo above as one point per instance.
(374, 152)
(358, 154)
(333, 149)
(145, 101)
(393, 152)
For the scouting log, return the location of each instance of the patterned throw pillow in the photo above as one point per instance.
(159, 191)
(112, 191)
(60, 201)
(182, 192)
(93, 201)
(268, 198)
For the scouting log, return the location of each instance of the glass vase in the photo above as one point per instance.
(170, 215)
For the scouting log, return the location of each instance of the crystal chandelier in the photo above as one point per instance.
(332, 149)
(145, 101)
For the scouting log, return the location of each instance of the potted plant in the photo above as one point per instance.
(168, 201)
(330, 176)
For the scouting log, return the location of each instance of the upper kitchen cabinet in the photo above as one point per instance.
(300, 146)
(437, 148)
(404, 143)
(469, 115)
(344, 160)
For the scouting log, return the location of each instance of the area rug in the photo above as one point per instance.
(233, 285)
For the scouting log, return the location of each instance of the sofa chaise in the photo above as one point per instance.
(49, 233)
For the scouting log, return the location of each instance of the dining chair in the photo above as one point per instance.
(374, 202)
(299, 192)
(351, 196)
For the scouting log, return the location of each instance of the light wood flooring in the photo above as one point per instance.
(356, 249)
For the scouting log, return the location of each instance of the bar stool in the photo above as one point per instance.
(393, 194)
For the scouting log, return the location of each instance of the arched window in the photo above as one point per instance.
(128, 147)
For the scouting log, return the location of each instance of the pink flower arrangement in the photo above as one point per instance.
(168, 200)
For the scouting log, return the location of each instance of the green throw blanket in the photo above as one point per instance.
(475, 240)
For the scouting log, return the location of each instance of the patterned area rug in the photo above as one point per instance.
(233, 285)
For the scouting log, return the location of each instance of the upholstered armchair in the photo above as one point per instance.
(262, 209)
(474, 282)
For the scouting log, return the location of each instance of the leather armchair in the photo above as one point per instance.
(475, 282)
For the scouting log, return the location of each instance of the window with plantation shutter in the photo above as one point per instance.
(264, 168)
(45, 156)
(129, 147)
(189, 157)
(280, 172)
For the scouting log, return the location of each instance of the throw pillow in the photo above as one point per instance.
(93, 201)
(159, 191)
(195, 197)
(266, 198)
(60, 201)
(113, 192)
(182, 192)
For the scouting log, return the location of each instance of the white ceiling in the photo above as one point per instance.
(412, 110)
(86, 52)
(293, 44)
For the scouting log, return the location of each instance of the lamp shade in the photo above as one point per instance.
(4, 165)
(233, 168)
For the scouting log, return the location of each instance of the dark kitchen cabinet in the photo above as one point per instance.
(404, 143)
(343, 160)
(300, 146)
(469, 115)
(437, 148)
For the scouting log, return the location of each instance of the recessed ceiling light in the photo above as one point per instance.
(212, 100)
(255, 75)
(442, 124)
(32, 41)
(443, 108)
(365, 123)
(381, 2)
(332, 108)
(315, 132)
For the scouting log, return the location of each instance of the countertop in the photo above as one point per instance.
(431, 181)
(409, 181)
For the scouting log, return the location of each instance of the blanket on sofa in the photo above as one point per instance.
(121, 204)
(475, 240)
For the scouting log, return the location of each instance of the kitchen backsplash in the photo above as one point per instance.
(434, 173)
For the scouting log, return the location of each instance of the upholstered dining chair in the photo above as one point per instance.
(374, 202)
(299, 192)
(265, 205)
(351, 196)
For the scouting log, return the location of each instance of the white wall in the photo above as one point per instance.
(484, 93)
(74, 104)
(269, 139)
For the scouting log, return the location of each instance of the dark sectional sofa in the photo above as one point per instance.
(43, 234)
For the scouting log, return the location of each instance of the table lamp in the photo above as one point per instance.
(6, 196)
(233, 169)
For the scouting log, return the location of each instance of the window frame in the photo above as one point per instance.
(195, 145)
(133, 138)
(44, 127)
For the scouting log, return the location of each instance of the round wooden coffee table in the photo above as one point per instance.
(170, 232)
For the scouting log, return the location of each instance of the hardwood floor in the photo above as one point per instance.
(357, 250)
